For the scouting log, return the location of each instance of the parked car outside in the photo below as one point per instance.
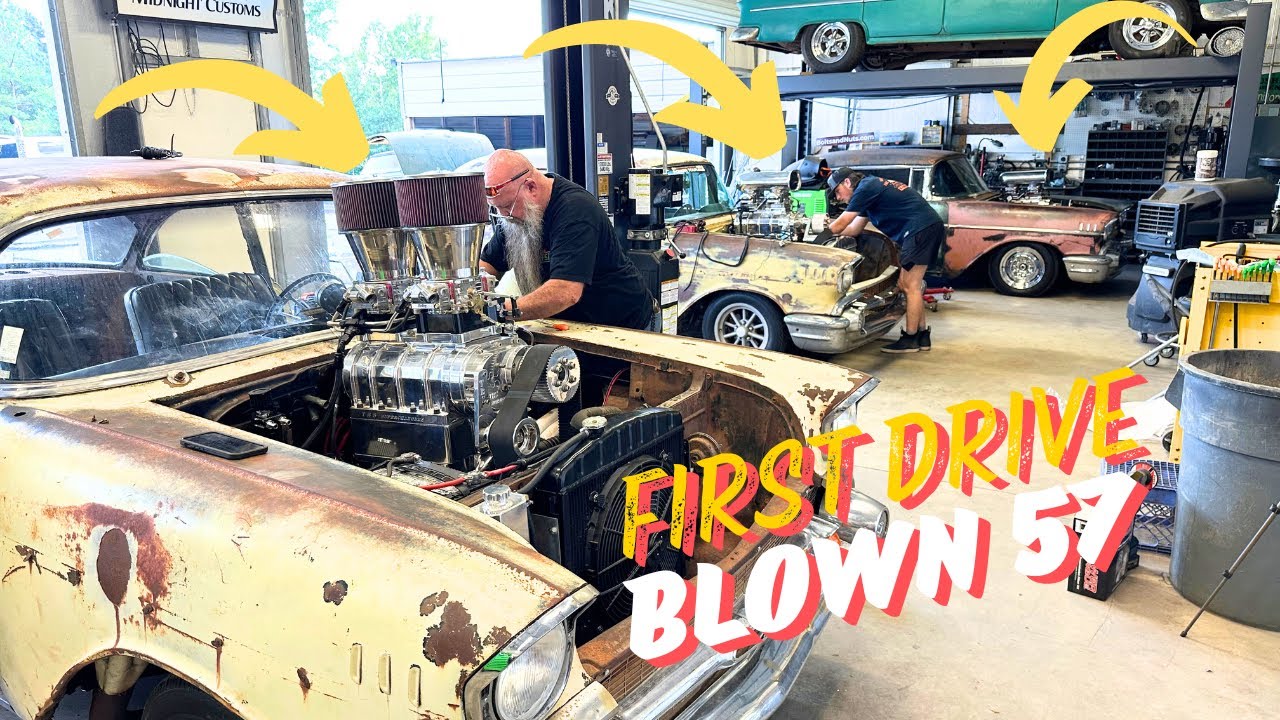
(888, 34)
(295, 582)
(1023, 248)
(765, 292)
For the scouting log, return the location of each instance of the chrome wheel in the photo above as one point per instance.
(1022, 268)
(1228, 42)
(741, 324)
(830, 42)
(1147, 34)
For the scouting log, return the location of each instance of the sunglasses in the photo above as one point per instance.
(491, 191)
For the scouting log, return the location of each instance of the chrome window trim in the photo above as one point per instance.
(1082, 233)
(55, 388)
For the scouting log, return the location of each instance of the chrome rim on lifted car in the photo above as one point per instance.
(1022, 268)
(1148, 34)
(741, 324)
(830, 41)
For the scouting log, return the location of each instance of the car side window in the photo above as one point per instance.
(902, 175)
(701, 197)
(946, 183)
(209, 237)
(94, 241)
(917, 180)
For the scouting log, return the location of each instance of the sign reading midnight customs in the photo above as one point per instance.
(246, 14)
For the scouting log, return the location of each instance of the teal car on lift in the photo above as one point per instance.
(841, 35)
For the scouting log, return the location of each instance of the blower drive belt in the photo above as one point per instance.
(502, 432)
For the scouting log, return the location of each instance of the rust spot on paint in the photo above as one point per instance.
(74, 576)
(428, 715)
(217, 661)
(115, 565)
(28, 555)
(432, 602)
(304, 682)
(818, 394)
(455, 638)
(335, 592)
(154, 561)
(745, 370)
(462, 683)
(498, 636)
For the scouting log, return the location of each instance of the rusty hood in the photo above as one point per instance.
(1041, 218)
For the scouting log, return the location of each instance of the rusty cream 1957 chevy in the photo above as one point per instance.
(269, 449)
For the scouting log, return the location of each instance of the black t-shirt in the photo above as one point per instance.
(891, 206)
(578, 245)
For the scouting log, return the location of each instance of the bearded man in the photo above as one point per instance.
(559, 242)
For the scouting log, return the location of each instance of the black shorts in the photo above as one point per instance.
(920, 247)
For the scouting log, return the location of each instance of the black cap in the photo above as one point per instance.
(838, 176)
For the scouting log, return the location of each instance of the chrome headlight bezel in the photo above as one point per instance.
(479, 695)
(844, 279)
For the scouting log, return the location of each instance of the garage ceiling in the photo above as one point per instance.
(723, 13)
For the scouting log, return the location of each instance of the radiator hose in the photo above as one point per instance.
(591, 429)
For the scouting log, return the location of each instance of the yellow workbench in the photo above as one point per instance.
(1259, 324)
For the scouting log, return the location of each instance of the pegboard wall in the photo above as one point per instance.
(1144, 107)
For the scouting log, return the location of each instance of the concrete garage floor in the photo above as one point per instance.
(1025, 650)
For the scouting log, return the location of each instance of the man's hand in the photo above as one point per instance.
(552, 298)
(847, 219)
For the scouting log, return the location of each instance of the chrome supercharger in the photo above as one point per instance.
(432, 374)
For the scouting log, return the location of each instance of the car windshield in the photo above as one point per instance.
(704, 194)
(145, 288)
(955, 177)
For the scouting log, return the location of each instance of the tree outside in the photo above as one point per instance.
(26, 82)
(369, 69)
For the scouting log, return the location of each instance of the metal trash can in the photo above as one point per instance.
(1230, 476)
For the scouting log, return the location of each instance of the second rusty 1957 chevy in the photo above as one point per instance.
(269, 449)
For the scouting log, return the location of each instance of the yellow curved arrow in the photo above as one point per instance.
(749, 119)
(1043, 113)
(328, 135)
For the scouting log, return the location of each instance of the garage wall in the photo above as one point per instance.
(96, 59)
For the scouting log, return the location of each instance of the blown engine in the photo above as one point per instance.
(443, 393)
(434, 375)
(765, 208)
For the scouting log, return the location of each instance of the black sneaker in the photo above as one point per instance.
(925, 343)
(905, 344)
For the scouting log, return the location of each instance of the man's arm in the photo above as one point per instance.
(845, 220)
(489, 269)
(854, 229)
(553, 298)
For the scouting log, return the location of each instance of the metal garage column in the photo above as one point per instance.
(588, 100)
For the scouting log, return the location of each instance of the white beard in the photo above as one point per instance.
(524, 247)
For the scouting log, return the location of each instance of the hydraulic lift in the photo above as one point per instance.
(1244, 72)
(589, 141)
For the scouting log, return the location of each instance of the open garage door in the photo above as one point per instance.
(721, 13)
